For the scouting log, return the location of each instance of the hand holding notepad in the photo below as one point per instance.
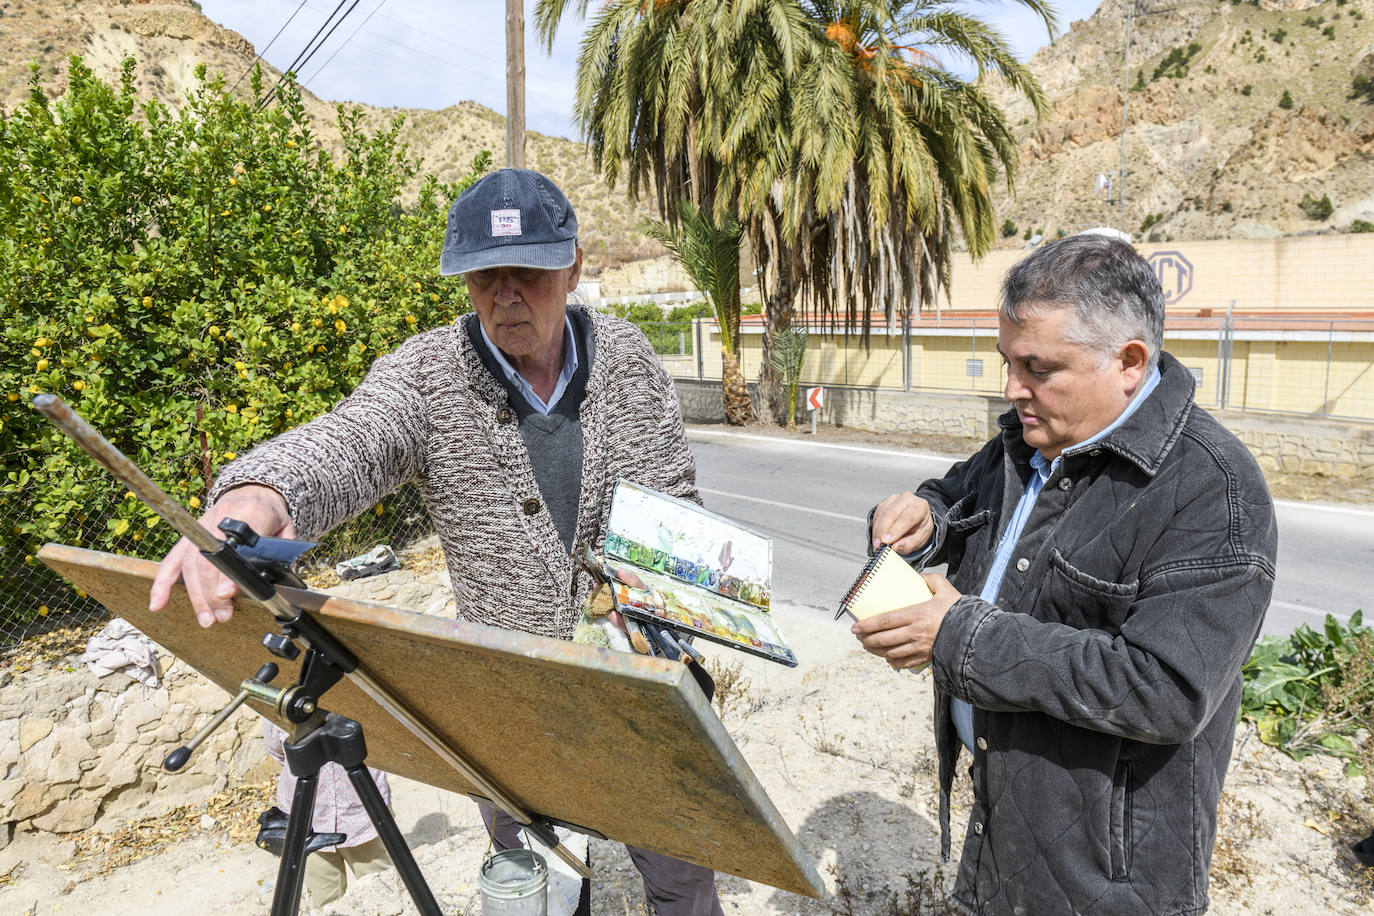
(886, 583)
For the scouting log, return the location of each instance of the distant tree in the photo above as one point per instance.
(1286, 100)
(1008, 229)
(855, 160)
(1361, 225)
(709, 251)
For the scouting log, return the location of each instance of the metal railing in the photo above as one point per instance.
(1315, 367)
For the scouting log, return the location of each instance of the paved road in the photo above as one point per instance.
(812, 498)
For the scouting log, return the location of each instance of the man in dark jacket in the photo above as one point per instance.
(1111, 557)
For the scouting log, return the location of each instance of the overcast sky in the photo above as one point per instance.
(434, 53)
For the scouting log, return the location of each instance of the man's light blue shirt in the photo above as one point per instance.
(513, 375)
(961, 711)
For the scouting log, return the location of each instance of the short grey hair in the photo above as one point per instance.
(1112, 290)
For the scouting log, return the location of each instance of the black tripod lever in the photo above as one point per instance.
(255, 686)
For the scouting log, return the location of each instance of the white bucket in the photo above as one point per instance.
(515, 883)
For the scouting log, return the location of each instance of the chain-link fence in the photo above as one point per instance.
(34, 599)
(1317, 367)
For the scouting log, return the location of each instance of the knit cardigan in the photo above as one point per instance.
(431, 412)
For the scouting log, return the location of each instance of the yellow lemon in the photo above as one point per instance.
(266, 208)
(195, 502)
(230, 456)
(42, 365)
(79, 385)
(76, 199)
(291, 144)
(231, 408)
(317, 322)
(340, 326)
(410, 319)
(35, 352)
(295, 327)
(13, 397)
(41, 342)
(233, 182)
(240, 365)
(433, 297)
(214, 330)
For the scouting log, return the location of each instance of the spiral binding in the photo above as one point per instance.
(857, 588)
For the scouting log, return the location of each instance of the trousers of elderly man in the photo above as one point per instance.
(673, 887)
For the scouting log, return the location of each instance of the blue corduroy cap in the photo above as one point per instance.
(510, 218)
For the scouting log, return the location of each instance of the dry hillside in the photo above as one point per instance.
(169, 38)
(1210, 152)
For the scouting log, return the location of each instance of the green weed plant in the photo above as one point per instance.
(1313, 692)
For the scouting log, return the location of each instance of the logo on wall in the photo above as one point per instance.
(1175, 274)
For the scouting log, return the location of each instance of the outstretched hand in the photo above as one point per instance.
(211, 592)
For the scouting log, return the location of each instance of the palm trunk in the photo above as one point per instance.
(739, 410)
(777, 318)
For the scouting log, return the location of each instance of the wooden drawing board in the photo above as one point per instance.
(623, 744)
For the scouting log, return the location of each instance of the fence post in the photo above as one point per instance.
(701, 368)
(1326, 387)
(1228, 333)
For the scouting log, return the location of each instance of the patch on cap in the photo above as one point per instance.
(505, 222)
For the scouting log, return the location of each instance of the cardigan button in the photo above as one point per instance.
(505, 415)
(530, 506)
(1022, 564)
(1066, 484)
(978, 827)
(982, 744)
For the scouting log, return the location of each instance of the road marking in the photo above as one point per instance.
(1323, 507)
(769, 502)
(1308, 610)
(926, 456)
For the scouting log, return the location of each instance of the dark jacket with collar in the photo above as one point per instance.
(1106, 678)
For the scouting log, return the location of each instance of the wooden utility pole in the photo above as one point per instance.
(515, 83)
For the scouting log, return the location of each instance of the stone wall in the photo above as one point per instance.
(76, 749)
(1279, 442)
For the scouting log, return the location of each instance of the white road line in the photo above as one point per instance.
(892, 453)
(1323, 507)
(927, 456)
(1319, 612)
(863, 520)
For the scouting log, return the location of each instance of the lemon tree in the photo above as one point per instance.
(192, 280)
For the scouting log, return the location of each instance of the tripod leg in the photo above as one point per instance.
(395, 844)
(286, 899)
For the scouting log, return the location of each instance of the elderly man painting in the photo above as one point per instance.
(1111, 557)
(515, 423)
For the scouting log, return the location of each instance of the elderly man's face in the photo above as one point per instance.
(522, 309)
(1063, 392)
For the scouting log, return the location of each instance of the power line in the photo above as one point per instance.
(267, 46)
(345, 41)
(311, 47)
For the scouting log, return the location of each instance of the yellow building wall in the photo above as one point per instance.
(1319, 273)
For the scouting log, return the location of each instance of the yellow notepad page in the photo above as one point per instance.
(888, 582)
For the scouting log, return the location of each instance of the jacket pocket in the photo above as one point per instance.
(966, 532)
(1080, 599)
(1121, 821)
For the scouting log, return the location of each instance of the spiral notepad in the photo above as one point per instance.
(887, 582)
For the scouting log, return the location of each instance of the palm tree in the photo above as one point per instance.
(709, 252)
(853, 155)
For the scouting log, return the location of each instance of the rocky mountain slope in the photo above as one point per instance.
(168, 38)
(1238, 110)
(1242, 115)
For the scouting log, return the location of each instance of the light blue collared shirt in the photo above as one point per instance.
(513, 375)
(961, 711)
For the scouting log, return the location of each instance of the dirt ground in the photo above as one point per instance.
(842, 745)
